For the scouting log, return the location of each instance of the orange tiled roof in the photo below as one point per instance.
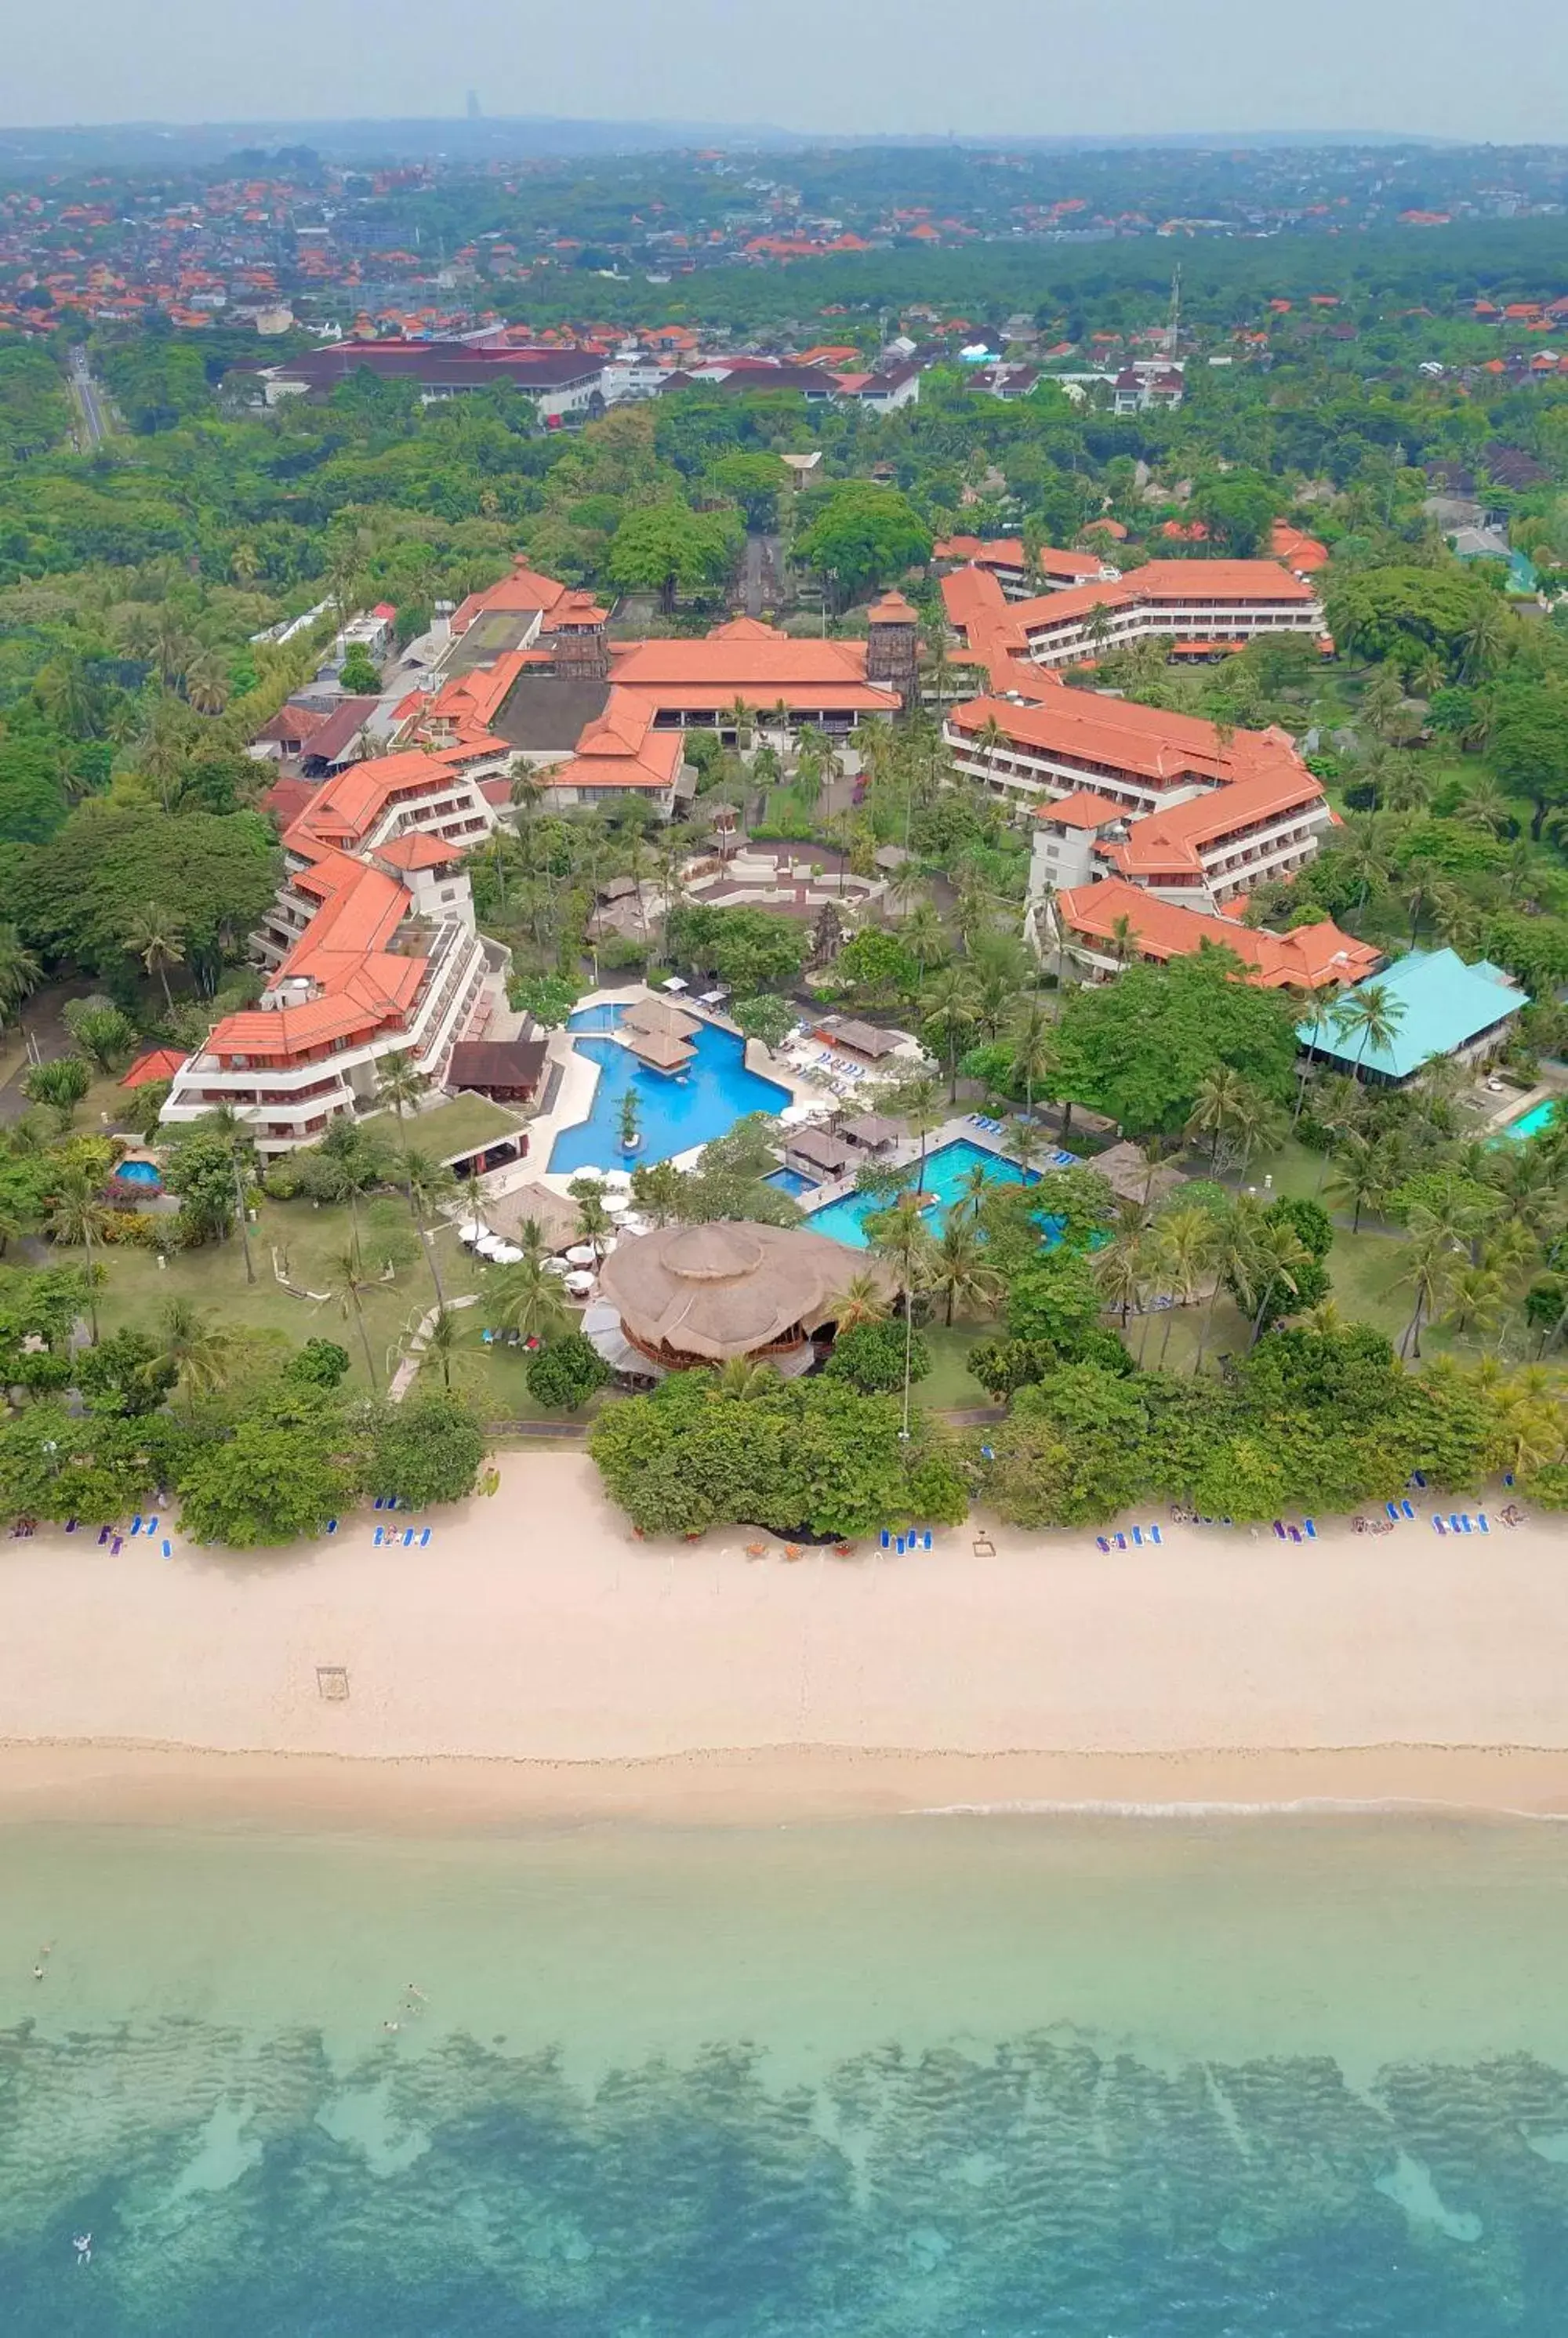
(1147, 743)
(622, 750)
(760, 664)
(1310, 957)
(1172, 841)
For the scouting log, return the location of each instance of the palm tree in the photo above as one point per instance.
(739, 1379)
(1121, 1268)
(589, 1197)
(1184, 1244)
(443, 1338)
(1476, 1296)
(20, 972)
(350, 1280)
(402, 1083)
(951, 1008)
(917, 1101)
(77, 1215)
(903, 1241)
(740, 716)
(924, 934)
(1375, 1013)
(957, 1266)
(1367, 855)
(1220, 1102)
(862, 1299)
(426, 1183)
(1365, 1177)
(207, 684)
(157, 941)
(1484, 639)
(525, 1298)
(1279, 1253)
(200, 1349)
(1425, 1266)
(1033, 1035)
(1485, 805)
(1025, 1143)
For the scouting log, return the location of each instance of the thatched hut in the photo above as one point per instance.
(698, 1295)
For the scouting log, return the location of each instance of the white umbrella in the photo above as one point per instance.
(472, 1228)
(490, 1246)
(556, 1266)
(508, 1255)
(589, 1169)
(617, 1204)
(580, 1283)
(676, 982)
(580, 1254)
(618, 1181)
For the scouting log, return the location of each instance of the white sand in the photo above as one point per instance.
(536, 1629)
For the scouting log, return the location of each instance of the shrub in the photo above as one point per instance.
(871, 1358)
(565, 1374)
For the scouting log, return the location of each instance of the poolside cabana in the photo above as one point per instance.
(865, 1039)
(815, 1153)
(872, 1133)
(558, 1219)
(690, 1296)
(1126, 1169)
(661, 1051)
(661, 1018)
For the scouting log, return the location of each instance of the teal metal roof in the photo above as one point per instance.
(1445, 1004)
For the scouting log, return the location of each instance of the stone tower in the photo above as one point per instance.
(893, 648)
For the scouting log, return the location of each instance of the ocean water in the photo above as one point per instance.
(1020, 2076)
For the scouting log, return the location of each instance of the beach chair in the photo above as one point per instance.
(1155, 1534)
(1466, 1525)
(1295, 1533)
(152, 1527)
(1453, 1521)
(70, 1526)
(376, 1540)
(887, 1538)
(1102, 1544)
(988, 1453)
(167, 1549)
(1507, 1477)
(136, 1524)
(1482, 1523)
(1309, 1529)
(425, 1539)
(1393, 1510)
(1138, 1536)
(898, 1544)
(1418, 1479)
(1408, 1509)
(103, 1534)
(331, 1526)
(407, 1537)
(488, 1339)
(1279, 1528)
(1438, 1527)
(115, 1548)
(927, 1541)
(1120, 1542)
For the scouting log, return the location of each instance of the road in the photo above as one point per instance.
(762, 581)
(89, 402)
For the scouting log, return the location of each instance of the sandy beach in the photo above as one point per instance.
(538, 1659)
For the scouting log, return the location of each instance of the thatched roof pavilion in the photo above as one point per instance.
(697, 1295)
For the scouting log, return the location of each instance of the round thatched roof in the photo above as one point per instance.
(724, 1290)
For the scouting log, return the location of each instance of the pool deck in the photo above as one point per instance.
(905, 1155)
(1515, 1107)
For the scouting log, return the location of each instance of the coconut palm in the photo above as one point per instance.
(956, 1268)
(77, 1216)
(1033, 1037)
(426, 1183)
(20, 972)
(924, 934)
(918, 1102)
(1371, 1015)
(902, 1239)
(740, 1380)
(1483, 642)
(950, 1008)
(402, 1084)
(1425, 1266)
(201, 1349)
(1122, 1266)
(1476, 1298)
(443, 1340)
(1365, 1176)
(1185, 1244)
(1278, 1255)
(527, 1299)
(1485, 805)
(1026, 1142)
(589, 1197)
(1219, 1106)
(207, 684)
(349, 1281)
(155, 937)
(862, 1299)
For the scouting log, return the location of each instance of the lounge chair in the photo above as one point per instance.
(1408, 1509)
(1438, 1527)
(1309, 1529)
(168, 1549)
(1138, 1535)
(1102, 1544)
(1482, 1523)
(1155, 1534)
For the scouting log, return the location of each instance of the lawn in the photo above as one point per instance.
(450, 1130)
(949, 1386)
(495, 1379)
(311, 1239)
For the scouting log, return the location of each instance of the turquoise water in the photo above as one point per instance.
(139, 1173)
(791, 1180)
(1533, 1123)
(945, 1170)
(1022, 2077)
(676, 1111)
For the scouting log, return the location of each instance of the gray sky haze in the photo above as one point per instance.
(1457, 69)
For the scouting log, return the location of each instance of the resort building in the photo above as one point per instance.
(370, 947)
(1439, 1006)
(1021, 579)
(690, 1297)
(1160, 798)
(1099, 929)
(1200, 608)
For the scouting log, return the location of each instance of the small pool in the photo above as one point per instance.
(791, 1180)
(1534, 1123)
(946, 1170)
(675, 1110)
(139, 1173)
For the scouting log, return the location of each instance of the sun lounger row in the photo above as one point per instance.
(409, 1536)
(1288, 1532)
(915, 1539)
(1120, 1541)
(1461, 1522)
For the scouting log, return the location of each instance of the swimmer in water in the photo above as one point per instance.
(37, 1972)
(82, 2244)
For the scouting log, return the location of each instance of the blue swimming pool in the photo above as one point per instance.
(676, 1110)
(946, 1171)
(791, 1180)
(139, 1173)
(1534, 1123)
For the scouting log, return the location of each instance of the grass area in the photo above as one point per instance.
(949, 1386)
(452, 1129)
(495, 1379)
(313, 1240)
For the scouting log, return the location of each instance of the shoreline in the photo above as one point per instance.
(538, 1663)
(113, 1784)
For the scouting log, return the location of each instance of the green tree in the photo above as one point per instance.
(288, 1469)
(566, 1371)
(668, 548)
(429, 1449)
(77, 1215)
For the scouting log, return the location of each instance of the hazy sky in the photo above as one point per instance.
(1473, 69)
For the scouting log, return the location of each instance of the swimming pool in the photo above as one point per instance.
(674, 1111)
(139, 1173)
(1534, 1123)
(791, 1180)
(946, 1172)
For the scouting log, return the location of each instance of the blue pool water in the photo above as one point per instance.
(791, 1180)
(138, 1172)
(1534, 1123)
(946, 1171)
(676, 1111)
